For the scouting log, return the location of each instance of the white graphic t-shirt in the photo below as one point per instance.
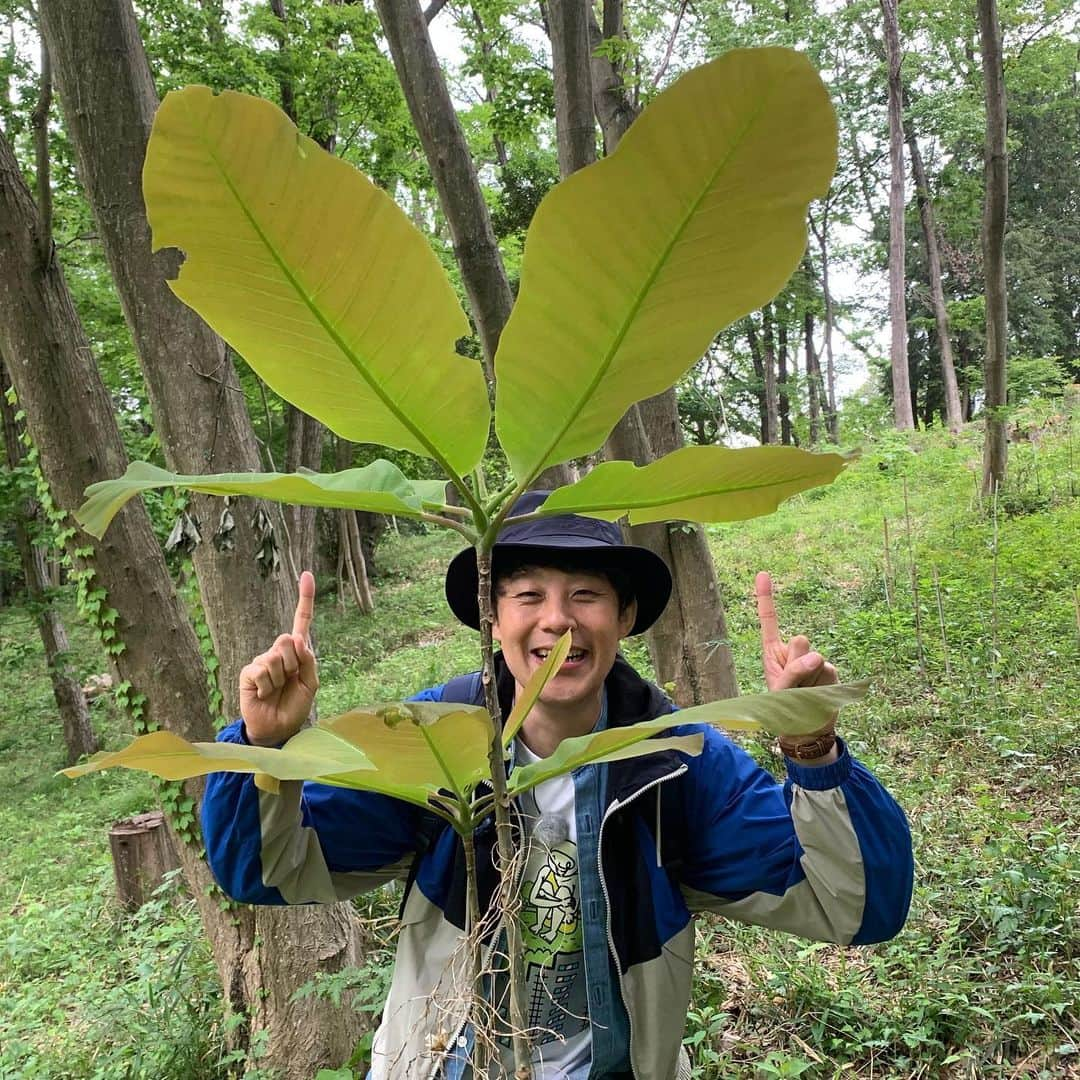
(556, 993)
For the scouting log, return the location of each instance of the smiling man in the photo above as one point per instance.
(616, 858)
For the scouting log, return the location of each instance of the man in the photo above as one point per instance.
(615, 858)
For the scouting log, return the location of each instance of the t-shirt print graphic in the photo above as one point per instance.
(552, 937)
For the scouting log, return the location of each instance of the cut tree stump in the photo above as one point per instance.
(142, 854)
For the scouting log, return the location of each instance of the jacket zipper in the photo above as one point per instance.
(618, 805)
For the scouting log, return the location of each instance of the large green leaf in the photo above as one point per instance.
(532, 690)
(410, 750)
(632, 265)
(311, 754)
(380, 487)
(613, 744)
(697, 483)
(418, 748)
(314, 275)
(799, 711)
(781, 712)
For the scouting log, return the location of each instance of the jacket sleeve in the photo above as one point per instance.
(310, 843)
(827, 855)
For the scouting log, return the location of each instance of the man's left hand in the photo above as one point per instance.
(792, 662)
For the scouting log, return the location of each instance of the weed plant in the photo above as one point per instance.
(981, 750)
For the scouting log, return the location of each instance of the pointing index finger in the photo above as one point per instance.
(766, 608)
(305, 605)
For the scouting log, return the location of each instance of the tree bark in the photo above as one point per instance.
(768, 361)
(460, 195)
(143, 852)
(757, 358)
(903, 416)
(782, 389)
(832, 419)
(108, 99)
(953, 415)
(689, 643)
(79, 738)
(452, 169)
(70, 419)
(303, 449)
(352, 565)
(813, 378)
(995, 211)
(303, 433)
(568, 23)
(612, 105)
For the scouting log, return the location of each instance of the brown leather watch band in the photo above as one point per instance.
(808, 747)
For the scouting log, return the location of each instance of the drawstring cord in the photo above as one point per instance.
(658, 861)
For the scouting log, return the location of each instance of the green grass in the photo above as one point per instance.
(85, 990)
(982, 753)
(984, 980)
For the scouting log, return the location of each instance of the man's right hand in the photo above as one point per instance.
(278, 687)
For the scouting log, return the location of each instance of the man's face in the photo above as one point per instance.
(536, 606)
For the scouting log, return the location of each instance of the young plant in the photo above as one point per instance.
(631, 267)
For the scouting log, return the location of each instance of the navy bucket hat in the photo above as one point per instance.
(590, 542)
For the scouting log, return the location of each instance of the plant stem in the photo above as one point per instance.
(475, 945)
(503, 832)
(914, 583)
(994, 596)
(449, 523)
(941, 623)
(889, 587)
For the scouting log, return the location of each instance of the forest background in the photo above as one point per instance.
(983, 981)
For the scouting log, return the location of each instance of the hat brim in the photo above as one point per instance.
(648, 572)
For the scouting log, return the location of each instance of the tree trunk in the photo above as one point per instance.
(768, 360)
(953, 415)
(783, 396)
(303, 433)
(460, 195)
(757, 358)
(612, 105)
(452, 169)
(832, 418)
(143, 852)
(70, 419)
(352, 565)
(995, 210)
(108, 99)
(688, 644)
(568, 24)
(303, 449)
(903, 416)
(813, 378)
(79, 738)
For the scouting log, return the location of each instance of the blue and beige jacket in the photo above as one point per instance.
(827, 855)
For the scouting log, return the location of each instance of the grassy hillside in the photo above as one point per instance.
(972, 722)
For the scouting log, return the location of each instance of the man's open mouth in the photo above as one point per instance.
(574, 656)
